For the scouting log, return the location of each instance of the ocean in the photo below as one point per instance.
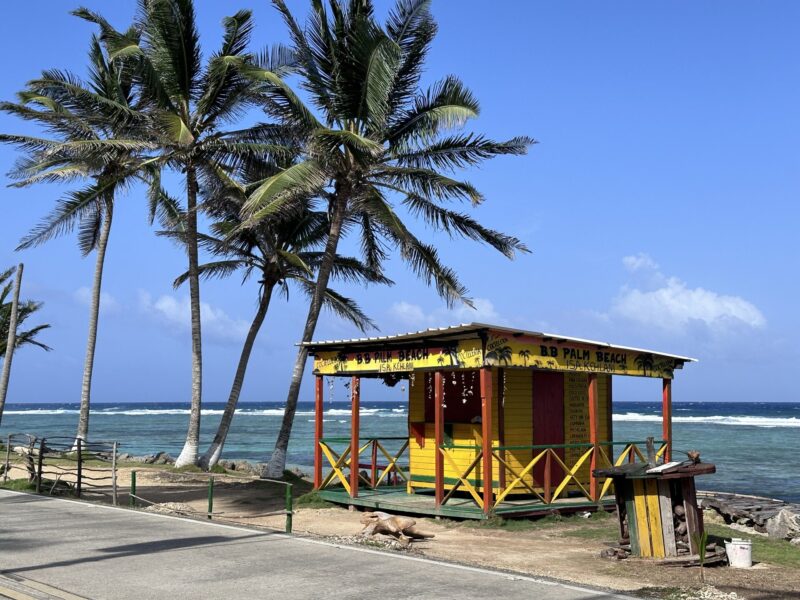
(751, 443)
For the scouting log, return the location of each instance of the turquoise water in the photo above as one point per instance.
(753, 444)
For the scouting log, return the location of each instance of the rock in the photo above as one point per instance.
(785, 525)
(162, 458)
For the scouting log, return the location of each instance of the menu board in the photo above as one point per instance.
(576, 419)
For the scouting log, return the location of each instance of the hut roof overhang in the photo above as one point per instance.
(491, 345)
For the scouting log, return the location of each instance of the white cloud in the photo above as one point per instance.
(639, 262)
(414, 316)
(108, 304)
(176, 313)
(672, 305)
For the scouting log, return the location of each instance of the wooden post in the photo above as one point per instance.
(318, 413)
(594, 488)
(355, 399)
(486, 423)
(80, 468)
(548, 490)
(438, 436)
(501, 424)
(666, 416)
(374, 464)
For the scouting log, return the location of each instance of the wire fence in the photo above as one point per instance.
(90, 470)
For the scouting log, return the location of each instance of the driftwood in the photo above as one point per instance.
(402, 528)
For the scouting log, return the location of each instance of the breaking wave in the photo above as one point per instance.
(715, 420)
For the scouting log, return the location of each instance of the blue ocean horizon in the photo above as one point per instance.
(752, 443)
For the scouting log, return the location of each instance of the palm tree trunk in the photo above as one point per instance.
(12, 340)
(94, 312)
(212, 455)
(188, 455)
(277, 461)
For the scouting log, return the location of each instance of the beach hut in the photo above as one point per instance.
(500, 421)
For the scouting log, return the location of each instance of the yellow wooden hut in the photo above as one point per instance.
(500, 421)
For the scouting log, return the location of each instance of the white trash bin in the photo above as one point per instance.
(740, 553)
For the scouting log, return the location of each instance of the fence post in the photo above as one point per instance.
(39, 467)
(80, 467)
(8, 458)
(132, 496)
(114, 474)
(289, 508)
(210, 496)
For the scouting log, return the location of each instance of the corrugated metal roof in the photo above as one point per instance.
(468, 328)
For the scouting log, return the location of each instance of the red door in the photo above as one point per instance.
(548, 420)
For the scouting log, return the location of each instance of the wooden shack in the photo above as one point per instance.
(500, 420)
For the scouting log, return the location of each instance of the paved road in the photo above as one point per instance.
(51, 548)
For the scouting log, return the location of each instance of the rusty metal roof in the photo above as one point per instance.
(468, 330)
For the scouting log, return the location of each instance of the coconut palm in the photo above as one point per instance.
(277, 252)
(525, 355)
(26, 309)
(371, 136)
(12, 314)
(190, 108)
(93, 126)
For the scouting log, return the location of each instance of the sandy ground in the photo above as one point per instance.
(568, 550)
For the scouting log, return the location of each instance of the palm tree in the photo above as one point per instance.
(277, 252)
(12, 315)
(376, 135)
(525, 355)
(94, 126)
(189, 106)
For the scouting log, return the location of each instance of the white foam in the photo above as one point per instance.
(714, 420)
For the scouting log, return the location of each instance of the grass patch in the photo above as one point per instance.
(776, 552)
(218, 469)
(184, 469)
(311, 500)
(19, 485)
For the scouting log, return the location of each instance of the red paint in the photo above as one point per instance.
(501, 423)
(461, 393)
(548, 421)
(666, 416)
(318, 409)
(438, 436)
(594, 489)
(486, 423)
(418, 431)
(355, 396)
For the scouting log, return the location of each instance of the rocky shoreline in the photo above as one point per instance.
(774, 518)
(244, 467)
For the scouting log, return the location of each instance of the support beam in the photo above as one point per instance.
(355, 402)
(438, 436)
(594, 488)
(318, 413)
(501, 423)
(486, 423)
(666, 416)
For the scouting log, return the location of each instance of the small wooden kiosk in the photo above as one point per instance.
(500, 421)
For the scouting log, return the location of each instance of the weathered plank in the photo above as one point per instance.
(654, 517)
(641, 518)
(694, 521)
(667, 526)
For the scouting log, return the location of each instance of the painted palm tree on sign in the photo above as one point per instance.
(645, 362)
(370, 137)
(191, 107)
(94, 126)
(277, 252)
(501, 355)
(525, 355)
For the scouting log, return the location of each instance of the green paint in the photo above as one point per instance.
(132, 499)
(210, 496)
(289, 512)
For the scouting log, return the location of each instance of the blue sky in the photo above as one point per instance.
(660, 204)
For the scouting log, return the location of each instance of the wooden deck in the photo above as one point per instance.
(395, 499)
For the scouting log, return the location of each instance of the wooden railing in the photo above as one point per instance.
(550, 488)
(378, 473)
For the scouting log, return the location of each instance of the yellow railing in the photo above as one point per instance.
(341, 461)
(548, 490)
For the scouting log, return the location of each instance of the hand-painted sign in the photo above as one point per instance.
(523, 351)
(391, 360)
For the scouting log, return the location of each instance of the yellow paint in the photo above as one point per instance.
(654, 518)
(466, 354)
(640, 504)
(576, 417)
(529, 351)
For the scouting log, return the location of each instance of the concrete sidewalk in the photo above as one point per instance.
(52, 548)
